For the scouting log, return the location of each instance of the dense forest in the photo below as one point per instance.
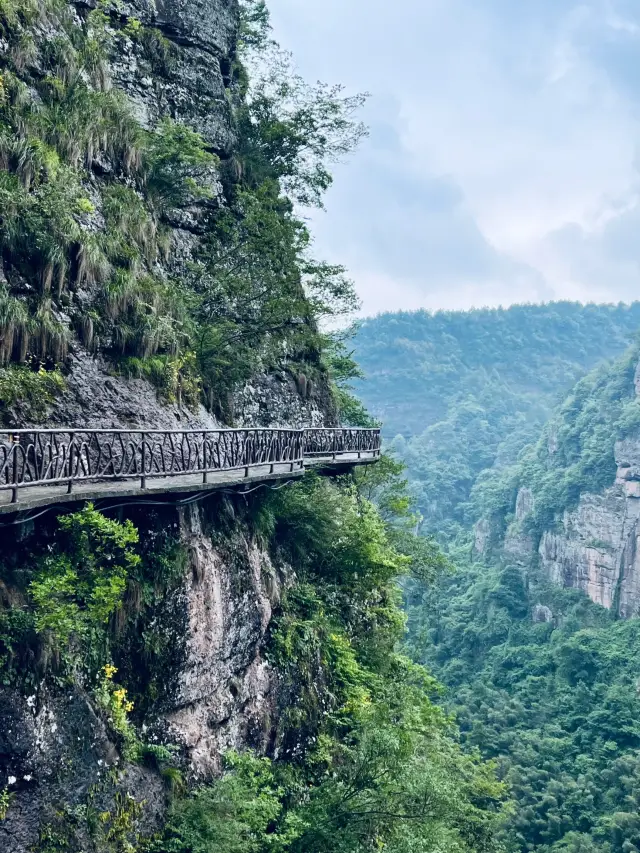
(546, 683)
(539, 678)
(462, 392)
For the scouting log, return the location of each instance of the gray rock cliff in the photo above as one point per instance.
(214, 689)
(57, 756)
(594, 547)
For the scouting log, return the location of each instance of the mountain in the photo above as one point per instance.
(535, 634)
(541, 671)
(460, 392)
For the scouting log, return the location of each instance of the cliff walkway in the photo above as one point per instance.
(43, 467)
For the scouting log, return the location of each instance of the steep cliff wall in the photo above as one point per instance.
(596, 547)
(192, 659)
(591, 544)
(172, 62)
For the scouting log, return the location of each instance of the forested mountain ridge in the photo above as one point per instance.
(541, 673)
(461, 391)
(417, 362)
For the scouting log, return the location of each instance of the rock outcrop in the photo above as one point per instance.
(596, 547)
(96, 398)
(215, 690)
(518, 544)
(224, 697)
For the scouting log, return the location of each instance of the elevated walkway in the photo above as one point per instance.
(42, 468)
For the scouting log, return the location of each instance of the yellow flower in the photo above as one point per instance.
(109, 671)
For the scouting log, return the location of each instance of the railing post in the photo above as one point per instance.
(72, 438)
(205, 472)
(15, 440)
(143, 479)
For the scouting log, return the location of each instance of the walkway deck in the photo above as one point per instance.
(44, 481)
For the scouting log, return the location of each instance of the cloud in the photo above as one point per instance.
(605, 259)
(502, 163)
(409, 236)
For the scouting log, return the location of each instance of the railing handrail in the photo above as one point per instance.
(342, 429)
(70, 455)
(62, 430)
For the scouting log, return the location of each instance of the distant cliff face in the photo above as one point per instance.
(598, 547)
(594, 547)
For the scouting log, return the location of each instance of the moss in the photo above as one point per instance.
(35, 390)
(5, 803)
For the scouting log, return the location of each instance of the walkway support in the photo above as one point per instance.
(38, 458)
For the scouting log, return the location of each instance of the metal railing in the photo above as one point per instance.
(31, 458)
(337, 442)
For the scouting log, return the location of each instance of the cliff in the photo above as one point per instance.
(192, 658)
(189, 643)
(119, 124)
(576, 513)
(596, 548)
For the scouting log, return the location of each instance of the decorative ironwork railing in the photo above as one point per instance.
(55, 457)
(337, 442)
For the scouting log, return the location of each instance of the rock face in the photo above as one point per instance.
(482, 536)
(542, 614)
(174, 59)
(225, 690)
(95, 398)
(218, 692)
(596, 549)
(57, 756)
(189, 84)
(524, 503)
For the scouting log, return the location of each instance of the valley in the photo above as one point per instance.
(525, 471)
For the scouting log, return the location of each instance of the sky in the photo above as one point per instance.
(503, 162)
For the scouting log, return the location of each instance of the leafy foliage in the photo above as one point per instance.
(555, 703)
(78, 589)
(462, 392)
(343, 370)
(367, 760)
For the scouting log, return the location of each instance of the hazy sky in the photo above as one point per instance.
(504, 159)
